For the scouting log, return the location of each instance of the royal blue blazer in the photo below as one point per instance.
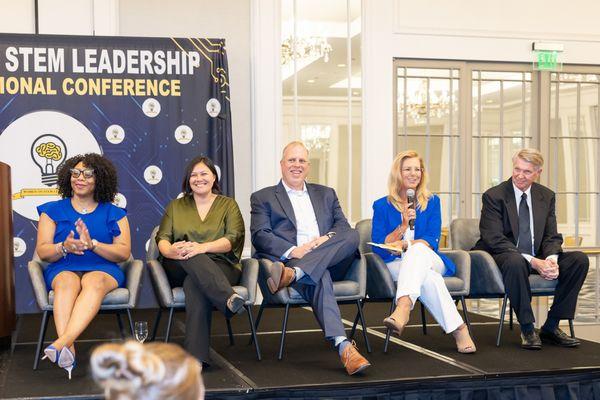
(428, 226)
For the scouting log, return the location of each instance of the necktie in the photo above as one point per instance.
(524, 244)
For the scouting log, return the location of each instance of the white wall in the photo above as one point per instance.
(17, 16)
(455, 30)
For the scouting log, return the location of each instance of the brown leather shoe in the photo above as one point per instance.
(281, 276)
(352, 360)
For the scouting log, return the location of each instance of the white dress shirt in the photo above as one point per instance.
(518, 194)
(307, 227)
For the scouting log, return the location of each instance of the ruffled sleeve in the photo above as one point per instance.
(115, 214)
(54, 209)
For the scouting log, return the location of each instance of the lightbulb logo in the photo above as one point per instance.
(49, 152)
(32, 147)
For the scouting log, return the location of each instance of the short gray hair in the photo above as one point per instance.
(530, 155)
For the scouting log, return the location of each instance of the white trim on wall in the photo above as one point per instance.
(266, 96)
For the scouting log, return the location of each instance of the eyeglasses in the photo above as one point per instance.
(87, 173)
(525, 172)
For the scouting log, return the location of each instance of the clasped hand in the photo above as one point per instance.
(184, 250)
(548, 269)
(78, 246)
(408, 213)
(301, 251)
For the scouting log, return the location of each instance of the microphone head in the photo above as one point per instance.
(410, 193)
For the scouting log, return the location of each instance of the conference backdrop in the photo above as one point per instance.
(148, 104)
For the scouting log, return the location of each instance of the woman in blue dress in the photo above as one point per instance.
(417, 266)
(82, 237)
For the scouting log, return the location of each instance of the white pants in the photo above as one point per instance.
(419, 276)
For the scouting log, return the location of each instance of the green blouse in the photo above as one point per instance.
(224, 219)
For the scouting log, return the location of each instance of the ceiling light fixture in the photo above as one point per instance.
(295, 48)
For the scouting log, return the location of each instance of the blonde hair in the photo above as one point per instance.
(292, 144)
(395, 181)
(152, 371)
(530, 155)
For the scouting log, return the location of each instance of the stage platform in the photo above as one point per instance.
(416, 367)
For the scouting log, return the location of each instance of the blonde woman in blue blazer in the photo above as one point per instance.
(419, 268)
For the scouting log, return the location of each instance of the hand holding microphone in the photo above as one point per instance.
(410, 194)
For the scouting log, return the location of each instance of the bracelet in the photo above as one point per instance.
(94, 245)
(63, 249)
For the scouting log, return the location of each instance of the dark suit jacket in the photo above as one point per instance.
(273, 223)
(499, 223)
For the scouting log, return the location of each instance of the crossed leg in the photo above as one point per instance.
(76, 302)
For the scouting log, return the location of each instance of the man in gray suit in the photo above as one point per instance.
(301, 228)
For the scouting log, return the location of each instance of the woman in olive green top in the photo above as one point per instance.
(201, 238)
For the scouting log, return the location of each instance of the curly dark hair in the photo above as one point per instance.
(104, 172)
(185, 185)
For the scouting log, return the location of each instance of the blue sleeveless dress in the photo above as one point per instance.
(102, 224)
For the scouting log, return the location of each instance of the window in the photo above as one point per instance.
(320, 66)
(468, 119)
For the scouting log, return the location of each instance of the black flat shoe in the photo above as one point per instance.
(558, 338)
(531, 341)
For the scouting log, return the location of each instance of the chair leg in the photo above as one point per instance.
(253, 330)
(502, 314)
(283, 329)
(359, 304)
(353, 330)
(510, 317)
(130, 318)
(466, 315)
(156, 321)
(120, 322)
(259, 316)
(388, 330)
(40, 343)
(260, 311)
(571, 328)
(423, 320)
(231, 341)
(169, 323)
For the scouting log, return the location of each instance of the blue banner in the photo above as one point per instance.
(148, 104)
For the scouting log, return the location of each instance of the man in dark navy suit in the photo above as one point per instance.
(300, 226)
(518, 228)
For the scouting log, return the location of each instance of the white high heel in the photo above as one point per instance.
(51, 354)
(66, 360)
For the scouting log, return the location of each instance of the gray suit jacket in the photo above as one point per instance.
(273, 223)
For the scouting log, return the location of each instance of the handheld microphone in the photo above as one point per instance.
(410, 194)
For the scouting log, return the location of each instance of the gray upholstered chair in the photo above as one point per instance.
(382, 288)
(118, 301)
(486, 278)
(351, 289)
(173, 299)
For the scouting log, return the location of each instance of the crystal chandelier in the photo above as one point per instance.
(295, 48)
(316, 137)
(416, 103)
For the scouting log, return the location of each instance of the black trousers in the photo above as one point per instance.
(327, 263)
(206, 283)
(572, 269)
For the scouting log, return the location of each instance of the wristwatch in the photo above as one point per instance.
(94, 244)
(330, 234)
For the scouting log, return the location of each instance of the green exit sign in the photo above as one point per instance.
(546, 61)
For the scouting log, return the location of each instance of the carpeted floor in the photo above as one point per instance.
(309, 361)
